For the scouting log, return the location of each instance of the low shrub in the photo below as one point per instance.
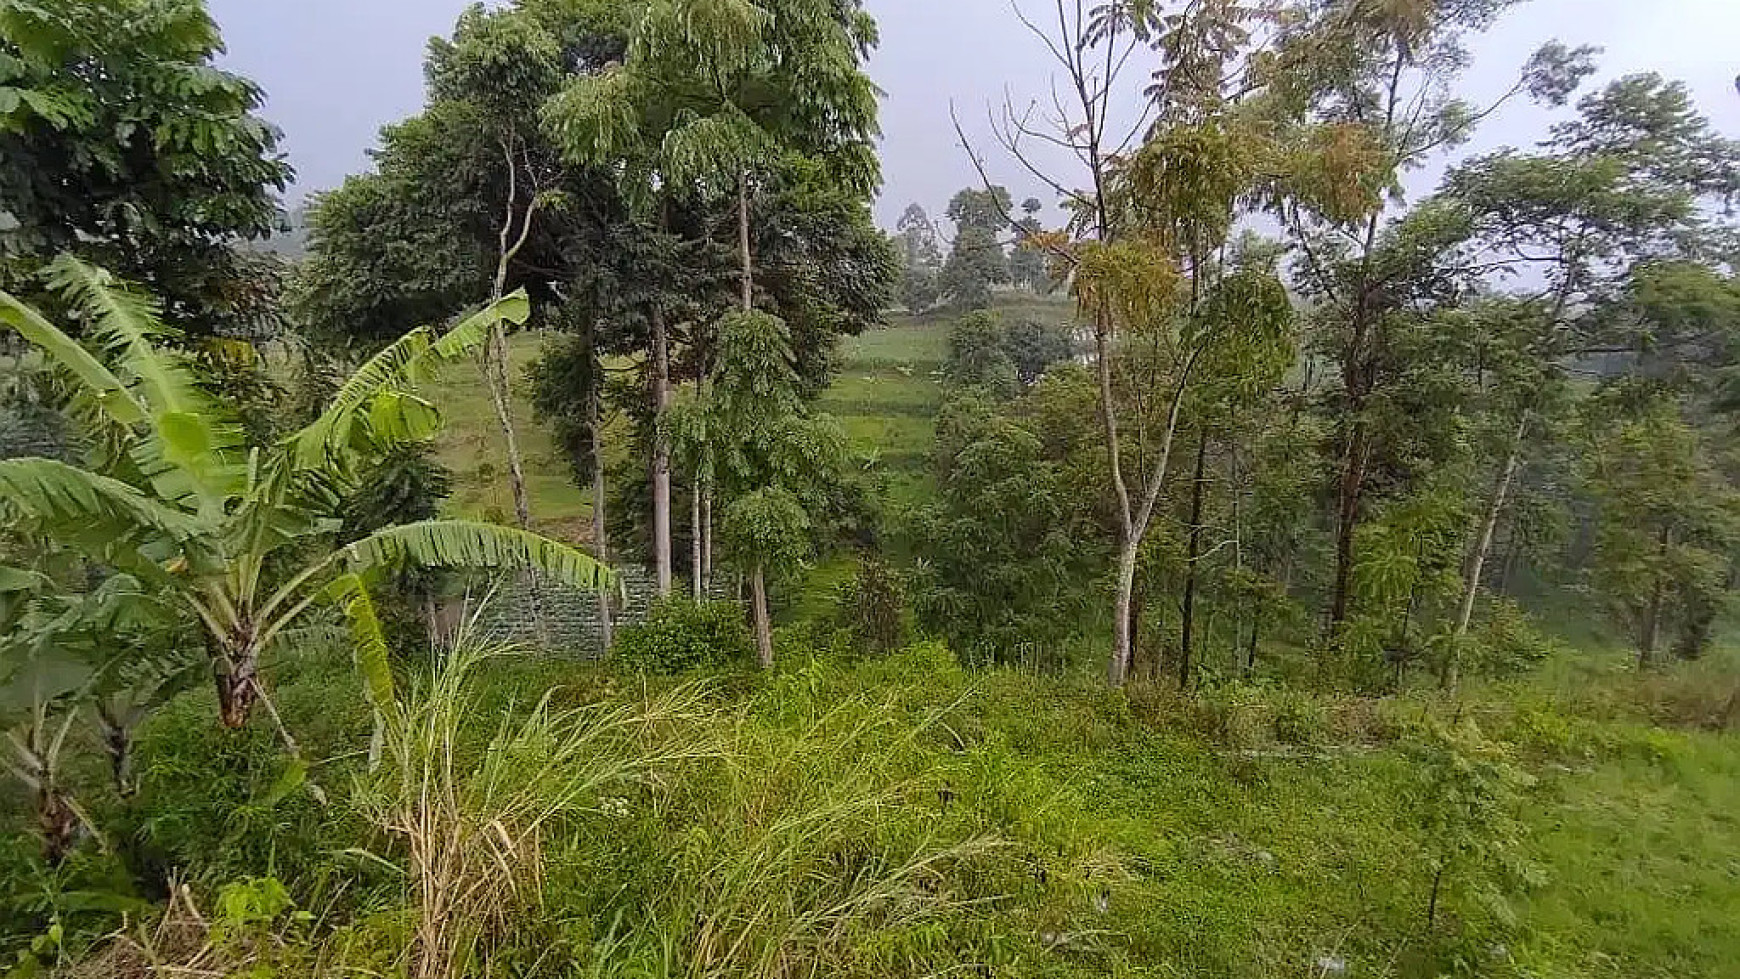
(872, 608)
(680, 635)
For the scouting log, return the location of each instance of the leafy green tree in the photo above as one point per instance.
(120, 141)
(976, 259)
(1466, 805)
(713, 96)
(1228, 130)
(778, 465)
(242, 540)
(1027, 264)
(977, 357)
(1033, 347)
(1666, 522)
(1610, 218)
(1388, 73)
(920, 259)
(1007, 548)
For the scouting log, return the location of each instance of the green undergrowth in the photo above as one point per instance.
(902, 816)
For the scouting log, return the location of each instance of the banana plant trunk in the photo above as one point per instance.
(236, 668)
(58, 822)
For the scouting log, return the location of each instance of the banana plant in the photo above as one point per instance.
(243, 540)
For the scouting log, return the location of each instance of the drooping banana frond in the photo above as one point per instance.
(191, 449)
(379, 393)
(104, 388)
(472, 544)
(369, 640)
(103, 518)
(76, 503)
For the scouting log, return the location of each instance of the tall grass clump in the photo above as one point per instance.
(472, 825)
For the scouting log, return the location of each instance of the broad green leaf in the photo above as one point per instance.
(108, 391)
(470, 544)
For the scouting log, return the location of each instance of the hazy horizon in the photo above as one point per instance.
(368, 71)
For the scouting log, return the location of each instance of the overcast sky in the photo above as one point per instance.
(335, 71)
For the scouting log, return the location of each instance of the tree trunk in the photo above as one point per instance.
(661, 460)
(1251, 649)
(1193, 548)
(1477, 558)
(1118, 669)
(1652, 615)
(763, 624)
(695, 568)
(1347, 519)
(746, 275)
(707, 537)
(600, 526)
(497, 376)
(500, 395)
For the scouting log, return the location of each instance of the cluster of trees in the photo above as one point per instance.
(1329, 435)
(681, 187)
(983, 253)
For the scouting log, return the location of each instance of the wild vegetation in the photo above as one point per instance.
(1244, 561)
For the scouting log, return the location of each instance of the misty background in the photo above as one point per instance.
(335, 71)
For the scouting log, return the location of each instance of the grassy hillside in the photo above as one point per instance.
(902, 817)
(887, 394)
(471, 446)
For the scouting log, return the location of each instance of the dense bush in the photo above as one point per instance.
(871, 607)
(679, 634)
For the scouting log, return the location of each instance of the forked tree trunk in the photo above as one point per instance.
(763, 623)
(1193, 548)
(1477, 558)
(497, 375)
(661, 460)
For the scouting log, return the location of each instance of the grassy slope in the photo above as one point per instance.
(471, 445)
(886, 395)
(1636, 828)
(1138, 835)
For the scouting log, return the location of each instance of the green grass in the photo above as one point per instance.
(1065, 830)
(886, 395)
(471, 445)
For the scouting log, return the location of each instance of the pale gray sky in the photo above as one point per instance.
(336, 70)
